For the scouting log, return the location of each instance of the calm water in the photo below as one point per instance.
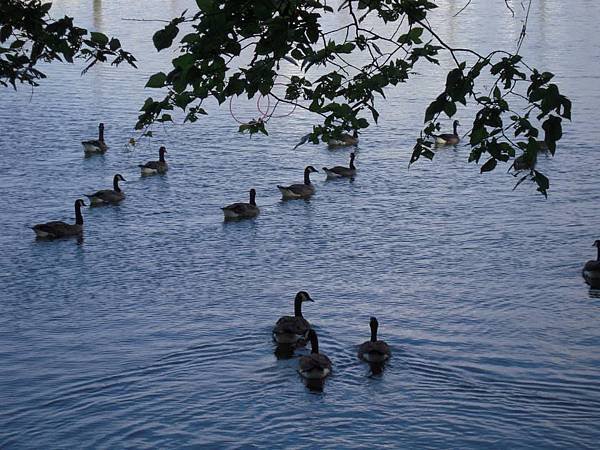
(155, 331)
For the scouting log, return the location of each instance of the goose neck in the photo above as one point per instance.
(598, 257)
(253, 198)
(298, 307)
(116, 185)
(314, 343)
(78, 215)
(306, 176)
(352, 163)
(373, 332)
(101, 134)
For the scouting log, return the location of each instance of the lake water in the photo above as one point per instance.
(155, 330)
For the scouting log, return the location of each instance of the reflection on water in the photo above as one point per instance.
(157, 331)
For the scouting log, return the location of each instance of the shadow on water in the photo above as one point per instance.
(314, 385)
(284, 351)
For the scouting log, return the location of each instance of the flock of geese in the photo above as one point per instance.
(290, 332)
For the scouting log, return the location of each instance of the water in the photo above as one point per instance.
(155, 331)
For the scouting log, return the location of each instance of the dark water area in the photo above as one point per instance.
(155, 330)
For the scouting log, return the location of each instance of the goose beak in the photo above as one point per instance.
(309, 299)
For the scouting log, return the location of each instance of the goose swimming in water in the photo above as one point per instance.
(341, 171)
(591, 270)
(449, 138)
(345, 140)
(374, 351)
(96, 145)
(291, 329)
(242, 210)
(108, 196)
(296, 191)
(153, 167)
(316, 365)
(58, 229)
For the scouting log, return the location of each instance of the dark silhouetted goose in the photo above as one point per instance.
(340, 171)
(296, 191)
(291, 329)
(96, 145)
(152, 167)
(591, 270)
(58, 229)
(447, 138)
(108, 196)
(316, 365)
(345, 140)
(374, 351)
(522, 163)
(242, 210)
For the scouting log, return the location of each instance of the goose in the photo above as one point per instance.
(522, 163)
(108, 196)
(345, 140)
(296, 191)
(153, 167)
(340, 171)
(591, 270)
(96, 145)
(447, 138)
(374, 351)
(242, 210)
(58, 229)
(291, 329)
(316, 365)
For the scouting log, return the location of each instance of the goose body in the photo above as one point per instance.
(374, 351)
(591, 270)
(316, 365)
(345, 140)
(341, 171)
(95, 145)
(58, 229)
(297, 191)
(108, 196)
(521, 163)
(293, 329)
(242, 210)
(449, 138)
(154, 167)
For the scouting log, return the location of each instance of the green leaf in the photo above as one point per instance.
(157, 80)
(99, 38)
(204, 5)
(489, 165)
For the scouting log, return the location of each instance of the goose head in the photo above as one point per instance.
(118, 177)
(596, 244)
(455, 125)
(310, 169)
(79, 203)
(162, 151)
(303, 296)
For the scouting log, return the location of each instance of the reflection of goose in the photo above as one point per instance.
(108, 196)
(242, 210)
(341, 171)
(291, 329)
(374, 351)
(449, 138)
(591, 270)
(316, 365)
(58, 229)
(296, 191)
(152, 167)
(345, 140)
(96, 145)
